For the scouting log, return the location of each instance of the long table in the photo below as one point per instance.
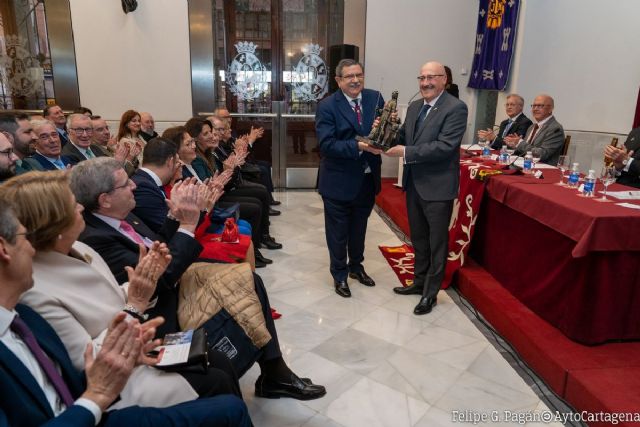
(572, 260)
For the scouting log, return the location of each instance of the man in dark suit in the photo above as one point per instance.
(516, 123)
(38, 383)
(48, 148)
(103, 188)
(147, 126)
(55, 114)
(80, 147)
(7, 158)
(546, 134)
(24, 140)
(349, 176)
(430, 144)
(627, 159)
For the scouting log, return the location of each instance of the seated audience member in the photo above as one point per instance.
(54, 114)
(48, 148)
(451, 87)
(515, 125)
(546, 134)
(94, 183)
(82, 110)
(251, 207)
(147, 127)
(252, 170)
(626, 160)
(77, 294)
(214, 249)
(109, 146)
(80, 145)
(129, 133)
(39, 389)
(7, 157)
(24, 140)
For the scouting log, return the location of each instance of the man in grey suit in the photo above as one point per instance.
(546, 133)
(430, 143)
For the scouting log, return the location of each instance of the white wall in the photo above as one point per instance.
(585, 54)
(403, 35)
(355, 22)
(138, 60)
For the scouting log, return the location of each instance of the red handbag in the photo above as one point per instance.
(230, 232)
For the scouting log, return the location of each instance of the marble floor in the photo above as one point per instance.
(381, 365)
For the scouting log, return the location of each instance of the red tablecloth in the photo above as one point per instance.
(570, 259)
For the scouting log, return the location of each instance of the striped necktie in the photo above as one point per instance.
(358, 111)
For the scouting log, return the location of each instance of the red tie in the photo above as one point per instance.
(533, 133)
(20, 328)
(128, 229)
(358, 111)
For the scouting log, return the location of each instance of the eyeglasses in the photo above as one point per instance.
(79, 131)
(429, 77)
(48, 136)
(508, 104)
(358, 76)
(534, 106)
(129, 183)
(8, 152)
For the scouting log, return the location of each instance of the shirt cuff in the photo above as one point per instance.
(90, 406)
(628, 165)
(187, 232)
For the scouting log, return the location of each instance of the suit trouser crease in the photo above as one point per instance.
(345, 229)
(429, 226)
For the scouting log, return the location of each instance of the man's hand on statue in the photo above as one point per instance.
(363, 146)
(397, 151)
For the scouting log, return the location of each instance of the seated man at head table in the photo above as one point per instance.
(546, 133)
(626, 160)
(515, 125)
(38, 383)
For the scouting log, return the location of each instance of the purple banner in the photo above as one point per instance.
(495, 39)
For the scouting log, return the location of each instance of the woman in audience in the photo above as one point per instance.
(201, 131)
(129, 132)
(75, 291)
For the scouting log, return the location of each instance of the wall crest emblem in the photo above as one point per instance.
(312, 74)
(247, 78)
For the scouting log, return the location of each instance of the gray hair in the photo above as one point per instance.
(37, 124)
(8, 221)
(515, 95)
(346, 63)
(75, 116)
(91, 178)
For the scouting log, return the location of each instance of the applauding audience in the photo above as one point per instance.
(626, 159)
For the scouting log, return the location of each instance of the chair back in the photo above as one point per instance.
(567, 141)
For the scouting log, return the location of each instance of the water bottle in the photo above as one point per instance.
(574, 175)
(486, 152)
(504, 156)
(589, 184)
(528, 162)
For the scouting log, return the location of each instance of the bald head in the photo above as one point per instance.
(542, 107)
(147, 124)
(432, 79)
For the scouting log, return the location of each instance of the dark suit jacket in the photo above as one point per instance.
(432, 155)
(342, 166)
(75, 156)
(146, 136)
(632, 178)
(23, 403)
(47, 165)
(550, 138)
(64, 140)
(519, 127)
(119, 251)
(151, 207)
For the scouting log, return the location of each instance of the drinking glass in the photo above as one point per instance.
(510, 151)
(608, 177)
(481, 143)
(563, 164)
(536, 154)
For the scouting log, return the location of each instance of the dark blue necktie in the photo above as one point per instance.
(421, 116)
(506, 128)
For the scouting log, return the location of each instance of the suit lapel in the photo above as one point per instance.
(104, 228)
(431, 114)
(345, 109)
(19, 371)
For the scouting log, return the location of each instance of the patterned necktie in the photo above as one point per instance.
(89, 153)
(358, 111)
(506, 128)
(129, 231)
(19, 327)
(533, 133)
(421, 117)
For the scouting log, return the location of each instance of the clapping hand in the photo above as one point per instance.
(143, 279)
(512, 140)
(617, 155)
(254, 134)
(486, 134)
(184, 203)
(122, 152)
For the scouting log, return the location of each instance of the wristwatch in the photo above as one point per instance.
(130, 309)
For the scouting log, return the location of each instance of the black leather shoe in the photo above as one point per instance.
(342, 288)
(409, 290)
(425, 306)
(260, 258)
(275, 202)
(295, 388)
(260, 264)
(363, 278)
(273, 212)
(270, 243)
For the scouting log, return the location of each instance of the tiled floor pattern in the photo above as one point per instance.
(382, 365)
